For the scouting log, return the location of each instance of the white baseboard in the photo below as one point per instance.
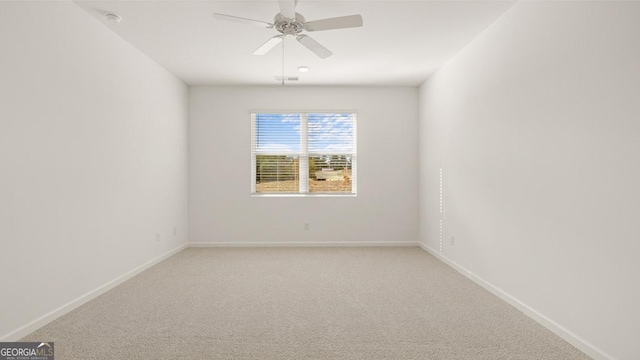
(304, 244)
(565, 334)
(74, 304)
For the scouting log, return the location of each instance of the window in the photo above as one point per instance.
(303, 153)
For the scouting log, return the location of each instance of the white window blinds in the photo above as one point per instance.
(303, 153)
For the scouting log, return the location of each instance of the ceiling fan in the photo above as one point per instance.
(289, 23)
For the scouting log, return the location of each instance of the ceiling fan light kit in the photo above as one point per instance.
(290, 23)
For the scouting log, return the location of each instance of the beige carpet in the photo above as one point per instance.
(300, 303)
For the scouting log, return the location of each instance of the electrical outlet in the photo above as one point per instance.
(307, 226)
(452, 239)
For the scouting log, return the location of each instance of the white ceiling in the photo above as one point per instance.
(401, 42)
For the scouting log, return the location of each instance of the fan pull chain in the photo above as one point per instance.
(283, 40)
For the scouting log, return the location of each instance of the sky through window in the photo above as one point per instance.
(326, 132)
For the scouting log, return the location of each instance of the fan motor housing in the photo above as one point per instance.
(289, 26)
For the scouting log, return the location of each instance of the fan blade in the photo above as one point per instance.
(288, 8)
(270, 44)
(314, 46)
(342, 22)
(242, 20)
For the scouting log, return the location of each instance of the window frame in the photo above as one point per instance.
(306, 154)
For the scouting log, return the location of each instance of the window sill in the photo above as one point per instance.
(312, 195)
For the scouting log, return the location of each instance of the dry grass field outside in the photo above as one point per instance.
(337, 182)
(315, 186)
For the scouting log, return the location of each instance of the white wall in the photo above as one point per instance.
(221, 209)
(536, 126)
(93, 154)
